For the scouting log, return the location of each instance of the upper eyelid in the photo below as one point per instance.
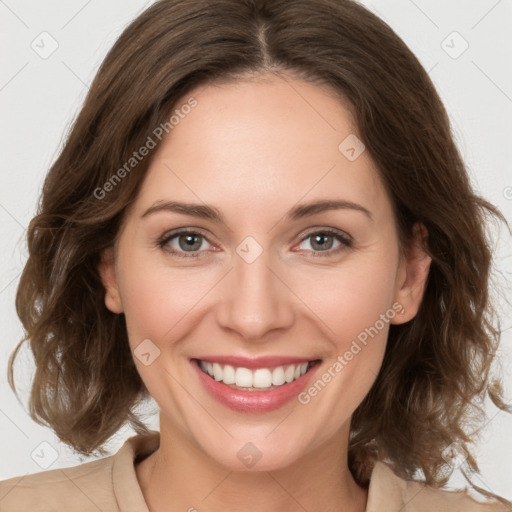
(172, 234)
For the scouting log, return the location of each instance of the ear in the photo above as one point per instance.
(107, 271)
(412, 276)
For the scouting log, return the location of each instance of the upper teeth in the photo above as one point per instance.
(260, 378)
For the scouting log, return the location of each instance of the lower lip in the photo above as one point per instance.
(253, 401)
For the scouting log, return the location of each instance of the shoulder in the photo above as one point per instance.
(109, 484)
(389, 493)
(82, 488)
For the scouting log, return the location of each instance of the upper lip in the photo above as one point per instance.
(256, 362)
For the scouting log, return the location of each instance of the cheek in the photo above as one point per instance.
(352, 297)
(355, 303)
(157, 298)
(359, 325)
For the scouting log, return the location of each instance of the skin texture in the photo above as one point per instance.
(254, 149)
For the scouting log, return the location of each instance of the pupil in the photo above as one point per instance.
(190, 243)
(321, 244)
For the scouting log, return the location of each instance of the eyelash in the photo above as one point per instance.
(345, 242)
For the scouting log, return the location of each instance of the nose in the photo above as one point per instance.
(255, 300)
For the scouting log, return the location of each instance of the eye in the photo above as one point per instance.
(322, 242)
(184, 244)
(190, 244)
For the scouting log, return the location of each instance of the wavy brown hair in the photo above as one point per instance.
(436, 370)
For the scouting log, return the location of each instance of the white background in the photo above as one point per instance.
(39, 98)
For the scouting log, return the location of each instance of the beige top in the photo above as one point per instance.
(110, 485)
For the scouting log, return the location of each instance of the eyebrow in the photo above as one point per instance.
(204, 211)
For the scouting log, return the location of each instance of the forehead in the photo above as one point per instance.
(260, 143)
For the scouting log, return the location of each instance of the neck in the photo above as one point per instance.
(179, 476)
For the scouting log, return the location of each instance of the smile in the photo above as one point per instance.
(268, 383)
(253, 380)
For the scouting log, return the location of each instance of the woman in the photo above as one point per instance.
(261, 221)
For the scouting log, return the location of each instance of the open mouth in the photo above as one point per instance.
(259, 379)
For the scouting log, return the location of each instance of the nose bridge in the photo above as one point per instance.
(255, 300)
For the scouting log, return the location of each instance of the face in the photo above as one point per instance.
(249, 281)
